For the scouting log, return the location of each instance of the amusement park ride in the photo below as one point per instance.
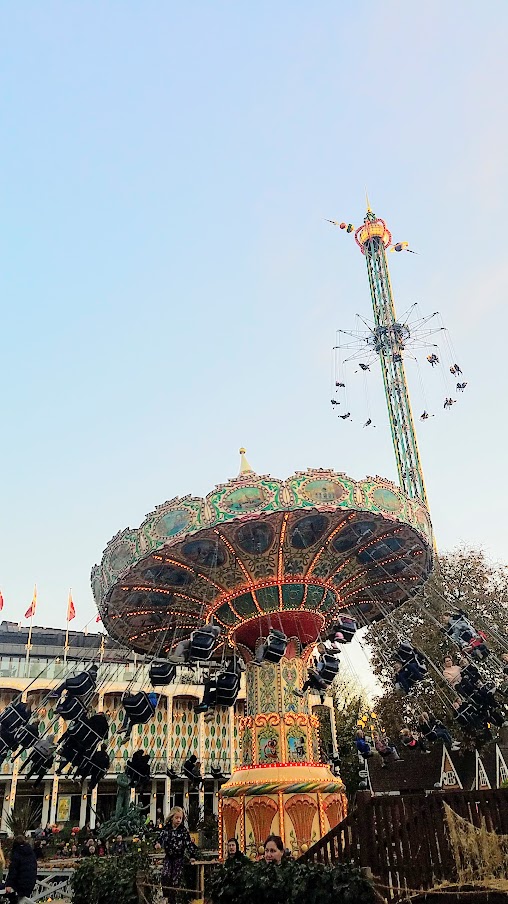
(260, 571)
(389, 339)
(272, 578)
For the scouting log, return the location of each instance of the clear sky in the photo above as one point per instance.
(169, 288)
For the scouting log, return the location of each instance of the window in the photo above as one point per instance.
(449, 778)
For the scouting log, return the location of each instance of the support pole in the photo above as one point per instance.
(83, 806)
(93, 807)
(153, 800)
(46, 800)
(54, 800)
(66, 647)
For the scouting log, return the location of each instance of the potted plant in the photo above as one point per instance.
(23, 818)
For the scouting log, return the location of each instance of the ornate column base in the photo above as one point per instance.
(300, 802)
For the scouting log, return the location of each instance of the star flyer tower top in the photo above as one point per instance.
(373, 239)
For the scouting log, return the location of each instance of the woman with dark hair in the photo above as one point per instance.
(274, 849)
(22, 874)
(234, 854)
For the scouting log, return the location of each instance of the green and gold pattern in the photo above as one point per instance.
(185, 734)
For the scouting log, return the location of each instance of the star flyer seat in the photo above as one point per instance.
(162, 672)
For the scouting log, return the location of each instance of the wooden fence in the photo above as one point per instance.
(402, 839)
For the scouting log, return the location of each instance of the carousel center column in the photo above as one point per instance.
(281, 786)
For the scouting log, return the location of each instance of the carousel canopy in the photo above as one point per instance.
(259, 552)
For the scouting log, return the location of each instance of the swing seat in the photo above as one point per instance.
(27, 735)
(228, 687)
(210, 693)
(11, 719)
(70, 708)
(275, 646)
(346, 626)
(136, 777)
(191, 776)
(162, 673)
(203, 644)
(80, 685)
(6, 743)
(330, 668)
(138, 708)
(84, 739)
(405, 652)
(421, 664)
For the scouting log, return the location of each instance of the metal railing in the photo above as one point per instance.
(109, 672)
(52, 884)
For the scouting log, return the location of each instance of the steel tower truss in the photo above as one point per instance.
(390, 336)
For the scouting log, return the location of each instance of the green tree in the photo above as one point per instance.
(465, 579)
(351, 706)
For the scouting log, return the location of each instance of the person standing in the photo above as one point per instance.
(119, 847)
(176, 842)
(22, 873)
(234, 854)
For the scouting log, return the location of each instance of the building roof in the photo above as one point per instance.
(418, 771)
(464, 763)
(502, 758)
(50, 643)
(488, 757)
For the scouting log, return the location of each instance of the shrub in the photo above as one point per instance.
(110, 880)
(289, 883)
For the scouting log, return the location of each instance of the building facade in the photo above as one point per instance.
(174, 733)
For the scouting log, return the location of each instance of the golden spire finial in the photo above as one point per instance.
(369, 208)
(245, 467)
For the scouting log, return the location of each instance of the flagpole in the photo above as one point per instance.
(66, 647)
(29, 643)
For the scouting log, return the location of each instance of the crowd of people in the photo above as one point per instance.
(171, 837)
(427, 730)
(478, 705)
(88, 842)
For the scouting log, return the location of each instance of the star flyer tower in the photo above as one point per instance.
(373, 239)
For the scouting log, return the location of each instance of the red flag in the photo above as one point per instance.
(1, 602)
(71, 611)
(30, 612)
(98, 619)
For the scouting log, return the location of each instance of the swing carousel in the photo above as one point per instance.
(263, 573)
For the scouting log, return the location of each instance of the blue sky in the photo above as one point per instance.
(169, 288)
